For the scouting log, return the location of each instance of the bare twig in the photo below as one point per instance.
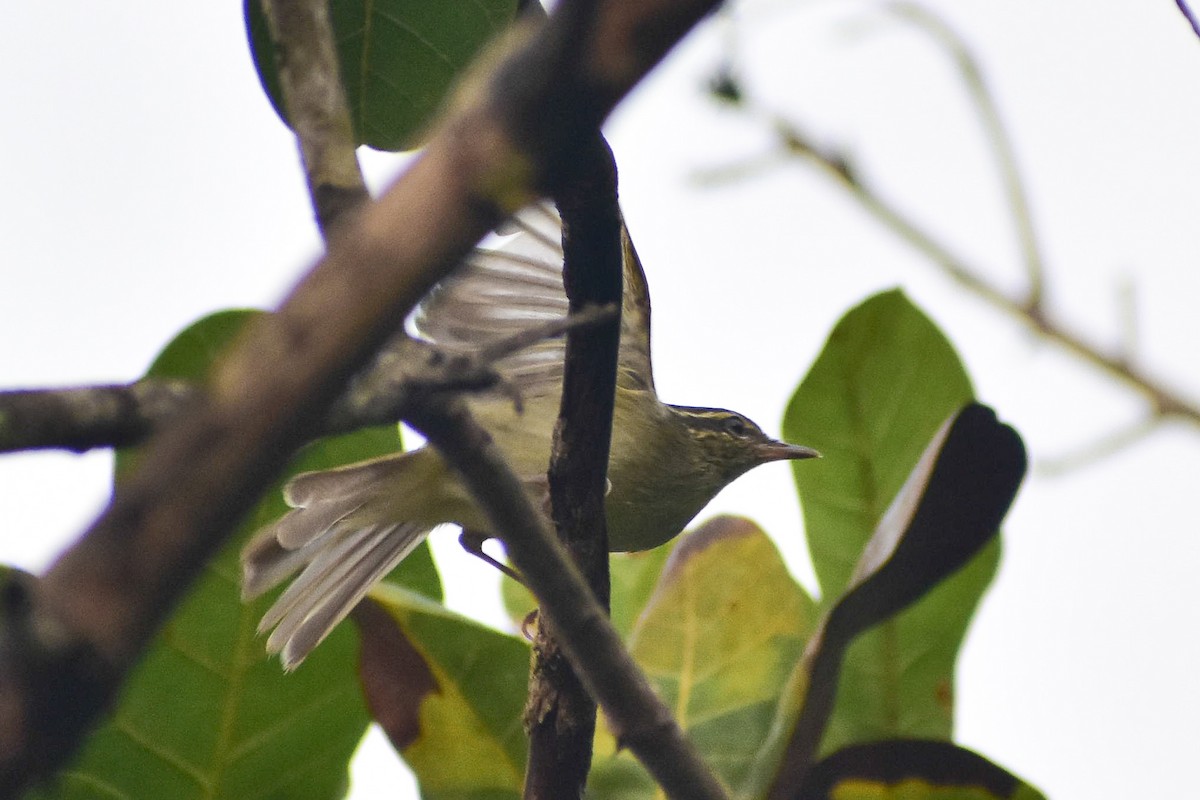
(68, 641)
(999, 142)
(1165, 401)
(1189, 16)
(1114, 442)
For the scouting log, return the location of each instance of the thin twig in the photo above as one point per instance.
(1189, 16)
(1114, 442)
(999, 141)
(1165, 401)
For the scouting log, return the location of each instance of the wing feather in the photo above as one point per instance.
(511, 283)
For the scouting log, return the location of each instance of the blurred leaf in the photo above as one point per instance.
(398, 59)
(912, 769)
(883, 385)
(206, 714)
(468, 742)
(718, 638)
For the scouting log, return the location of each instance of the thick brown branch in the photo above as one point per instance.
(89, 618)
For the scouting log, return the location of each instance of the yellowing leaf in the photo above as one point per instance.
(718, 637)
(470, 741)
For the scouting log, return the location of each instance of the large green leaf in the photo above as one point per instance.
(883, 385)
(398, 59)
(949, 509)
(718, 638)
(459, 726)
(207, 714)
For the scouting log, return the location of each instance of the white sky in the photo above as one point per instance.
(147, 182)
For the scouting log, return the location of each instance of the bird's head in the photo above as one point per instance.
(731, 443)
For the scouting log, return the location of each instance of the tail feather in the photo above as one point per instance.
(333, 583)
(337, 486)
(324, 563)
(301, 526)
(266, 564)
(340, 540)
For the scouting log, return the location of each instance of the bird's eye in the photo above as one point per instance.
(736, 426)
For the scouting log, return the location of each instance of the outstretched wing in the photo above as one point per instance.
(503, 288)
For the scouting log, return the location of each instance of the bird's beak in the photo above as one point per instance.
(782, 451)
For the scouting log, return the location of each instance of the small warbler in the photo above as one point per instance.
(350, 526)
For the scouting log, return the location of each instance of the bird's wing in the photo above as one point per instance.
(505, 287)
(635, 370)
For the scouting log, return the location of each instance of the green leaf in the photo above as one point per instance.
(206, 714)
(883, 385)
(463, 734)
(913, 770)
(718, 638)
(634, 577)
(950, 507)
(398, 59)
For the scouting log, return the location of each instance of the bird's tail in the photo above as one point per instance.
(339, 547)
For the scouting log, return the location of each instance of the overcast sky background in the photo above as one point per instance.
(147, 182)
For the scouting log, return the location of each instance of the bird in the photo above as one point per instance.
(350, 526)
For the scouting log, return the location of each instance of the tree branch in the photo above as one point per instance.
(567, 605)
(309, 77)
(89, 618)
(123, 415)
(561, 716)
(999, 142)
(1189, 16)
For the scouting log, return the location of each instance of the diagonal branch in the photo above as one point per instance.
(1165, 400)
(580, 623)
(88, 619)
(999, 142)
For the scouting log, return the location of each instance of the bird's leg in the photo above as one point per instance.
(472, 542)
